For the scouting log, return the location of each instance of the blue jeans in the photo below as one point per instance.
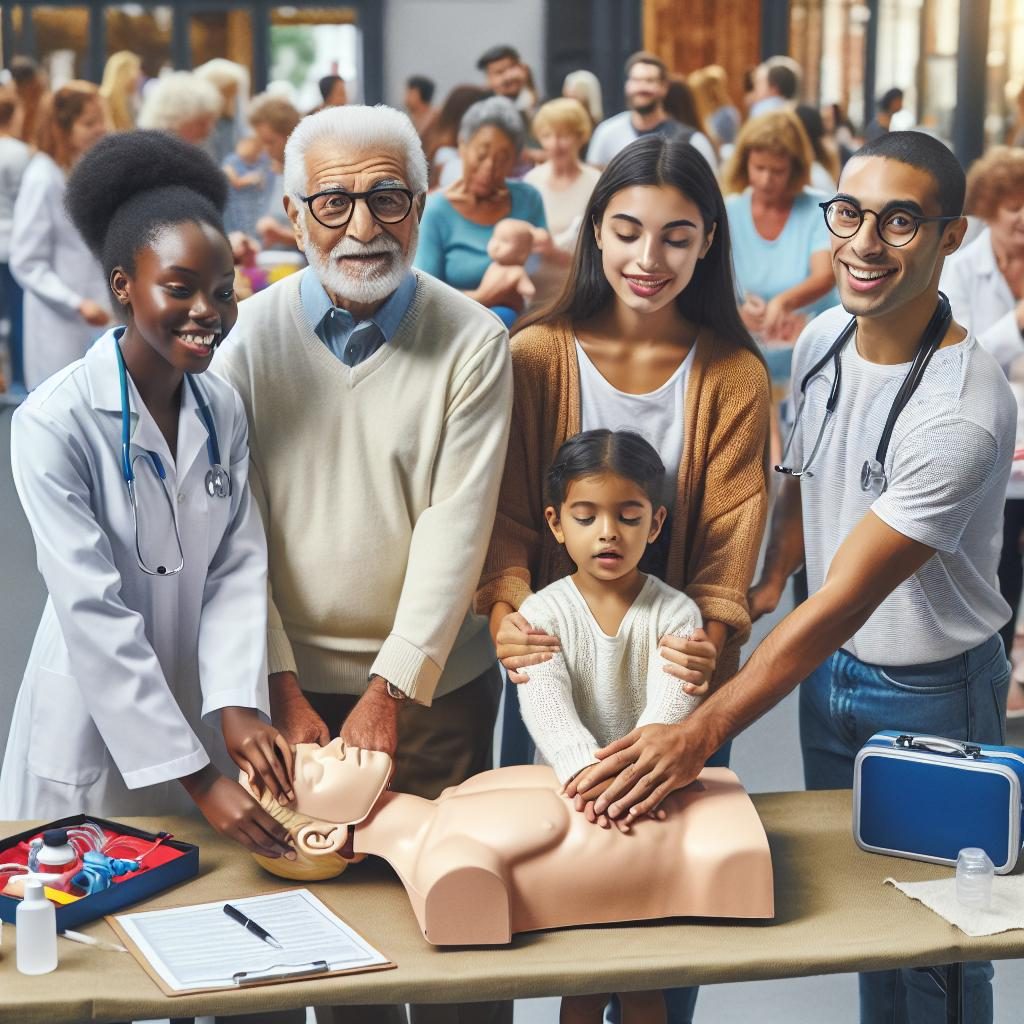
(843, 703)
(518, 748)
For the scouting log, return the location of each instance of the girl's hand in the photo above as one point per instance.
(692, 659)
(234, 813)
(586, 808)
(519, 645)
(259, 750)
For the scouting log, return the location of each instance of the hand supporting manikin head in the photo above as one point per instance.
(501, 852)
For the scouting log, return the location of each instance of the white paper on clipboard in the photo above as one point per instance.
(200, 947)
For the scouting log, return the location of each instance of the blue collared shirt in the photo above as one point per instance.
(351, 341)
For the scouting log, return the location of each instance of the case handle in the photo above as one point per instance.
(939, 745)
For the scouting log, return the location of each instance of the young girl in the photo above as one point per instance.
(605, 506)
(148, 667)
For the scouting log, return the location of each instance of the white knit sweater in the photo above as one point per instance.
(601, 687)
(377, 485)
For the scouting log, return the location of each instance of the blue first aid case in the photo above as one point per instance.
(928, 797)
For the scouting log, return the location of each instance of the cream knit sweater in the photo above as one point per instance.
(601, 687)
(377, 484)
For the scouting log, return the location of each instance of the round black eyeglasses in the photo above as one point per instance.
(895, 227)
(333, 207)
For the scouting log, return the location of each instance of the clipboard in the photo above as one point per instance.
(280, 972)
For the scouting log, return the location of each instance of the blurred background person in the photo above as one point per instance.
(985, 284)
(825, 169)
(562, 127)
(119, 90)
(30, 85)
(840, 129)
(231, 80)
(776, 85)
(442, 142)
(890, 103)
(503, 69)
(717, 111)
(14, 158)
(458, 221)
(183, 104)
(681, 106)
(249, 175)
(781, 247)
(66, 298)
(584, 87)
(419, 99)
(333, 91)
(646, 89)
(272, 119)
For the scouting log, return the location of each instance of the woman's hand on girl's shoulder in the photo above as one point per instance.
(519, 645)
(692, 659)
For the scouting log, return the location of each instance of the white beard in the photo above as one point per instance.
(374, 284)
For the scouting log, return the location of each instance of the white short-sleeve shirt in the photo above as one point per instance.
(947, 465)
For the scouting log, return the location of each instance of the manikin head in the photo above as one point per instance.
(511, 242)
(604, 501)
(335, 786)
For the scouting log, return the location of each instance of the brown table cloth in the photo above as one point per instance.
(832, 914)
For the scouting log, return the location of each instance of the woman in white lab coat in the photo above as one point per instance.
(66, 303)
(148, 668)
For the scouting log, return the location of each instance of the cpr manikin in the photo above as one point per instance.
(502, 852)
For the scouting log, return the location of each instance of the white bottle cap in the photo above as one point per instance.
(34, 891)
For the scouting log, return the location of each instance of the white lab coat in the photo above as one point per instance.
(50, 260)
(982, 302)
(128, 671)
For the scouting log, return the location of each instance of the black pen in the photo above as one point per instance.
(249, 924)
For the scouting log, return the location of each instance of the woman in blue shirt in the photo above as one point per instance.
(457, 223)
(781, 248)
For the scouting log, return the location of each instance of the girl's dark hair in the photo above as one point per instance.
(710, 299)
(606, 451)
(131, 185)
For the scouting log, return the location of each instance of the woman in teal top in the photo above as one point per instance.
(457, 223)
(781, 248)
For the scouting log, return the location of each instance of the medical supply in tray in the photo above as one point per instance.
(90, 867)
(929, 797)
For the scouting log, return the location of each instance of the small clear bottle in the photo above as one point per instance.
(974, 874)
(35, 923)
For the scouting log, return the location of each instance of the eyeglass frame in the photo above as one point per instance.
(916, 218)
(354, 196)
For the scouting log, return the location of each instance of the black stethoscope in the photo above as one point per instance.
(218, 481)
(873, 478)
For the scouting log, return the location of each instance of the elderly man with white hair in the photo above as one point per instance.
(378, 401)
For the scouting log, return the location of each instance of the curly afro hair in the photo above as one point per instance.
(130, 186)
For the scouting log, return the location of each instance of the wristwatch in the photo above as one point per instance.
(394, 692)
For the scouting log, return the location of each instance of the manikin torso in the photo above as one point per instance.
(506, 852)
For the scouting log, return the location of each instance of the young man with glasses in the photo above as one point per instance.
(901, 626)
(378, 402)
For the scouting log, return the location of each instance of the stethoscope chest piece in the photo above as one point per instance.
(218, 483)
(872, 477)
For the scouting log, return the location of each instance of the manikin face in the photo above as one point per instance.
(645, 88)
(511, 243)
(362, 261)
(337, 783)
(875, 279)
(650, 238)
(605, 523)
(181, 295)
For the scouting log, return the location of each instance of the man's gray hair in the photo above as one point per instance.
(355, 130)
(176, 98)
(498, 111)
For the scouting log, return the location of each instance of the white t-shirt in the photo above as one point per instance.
(657, 416)
(600, 687)
(616, 133)
(947, 465)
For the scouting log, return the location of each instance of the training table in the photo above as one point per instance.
(833, 914)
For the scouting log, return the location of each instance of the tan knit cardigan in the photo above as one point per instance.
(722, 498)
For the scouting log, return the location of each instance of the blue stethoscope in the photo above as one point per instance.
(218, 481)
